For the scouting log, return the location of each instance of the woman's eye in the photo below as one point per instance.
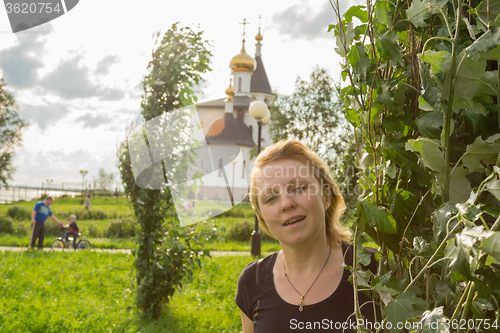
(300, 189)
(270, 199)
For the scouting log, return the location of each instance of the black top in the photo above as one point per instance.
(260, 301)
(73, 227)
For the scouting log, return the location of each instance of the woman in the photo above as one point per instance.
(304, 286)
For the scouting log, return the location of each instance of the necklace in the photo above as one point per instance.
(301, 304)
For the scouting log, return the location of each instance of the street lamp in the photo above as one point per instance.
(259, 111)
(234, 160)
(48, 186)
(83, 172)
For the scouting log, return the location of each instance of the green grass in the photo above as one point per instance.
(92, 292)
(65, 292)
(207, 304)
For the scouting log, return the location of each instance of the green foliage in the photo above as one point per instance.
(6, 225)
(165, 252)
(121, 229)
(19, 213)
(11, 127)
(422, 92)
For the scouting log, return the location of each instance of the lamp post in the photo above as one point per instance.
(259, 111)
(48, 186)
(234, 160)
(83, 173)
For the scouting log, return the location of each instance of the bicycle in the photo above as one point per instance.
(66, 242)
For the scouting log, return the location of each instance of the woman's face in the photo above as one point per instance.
(292, 202)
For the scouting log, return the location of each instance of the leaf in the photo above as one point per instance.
(385, 44)
(493, 186)
(403, 206)
(383, 12)
(491, 245)
(434, 322)
(407, 161)
(406, 306)
(440, 61)
(468, 79)
(479, 151)
(430, 124)
(359, 60)
(422, 249)
(460, 266)
(358, 12)
(460, 103)
(386, 283)
(353, 117)
(432, 93)
(432, 156)
(379, 217)
(459, 185)
(470, 212)
(422, 9)
(441, 291)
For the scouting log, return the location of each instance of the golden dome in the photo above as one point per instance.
(243, 61)
(230, 91)
(258, 38)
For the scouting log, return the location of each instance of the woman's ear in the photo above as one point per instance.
(327, 196)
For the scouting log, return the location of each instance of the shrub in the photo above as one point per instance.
(92, 230)
(6, 225)
(240, 231)
(21, 229)
(121, 229)
(19, 213)
(52, 228)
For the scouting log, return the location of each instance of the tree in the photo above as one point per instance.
(104, 180)
(422, 90)
(11, 127)
(313, 115)
(165, 252)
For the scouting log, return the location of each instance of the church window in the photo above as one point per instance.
(250, 128)
(239, 84)
(243, 171)
(220, 167)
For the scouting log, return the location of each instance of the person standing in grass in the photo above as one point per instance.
(38, 216)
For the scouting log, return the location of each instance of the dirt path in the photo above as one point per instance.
(212, 253)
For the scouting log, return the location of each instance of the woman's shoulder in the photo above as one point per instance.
(257, 271)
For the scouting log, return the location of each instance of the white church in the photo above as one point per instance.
(230, 130)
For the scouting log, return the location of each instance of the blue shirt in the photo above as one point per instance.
(42, 212)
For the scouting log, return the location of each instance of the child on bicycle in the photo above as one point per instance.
(73, 230)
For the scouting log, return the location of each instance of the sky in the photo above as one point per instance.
(77, 79)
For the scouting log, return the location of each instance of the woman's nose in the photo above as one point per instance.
(287, 201)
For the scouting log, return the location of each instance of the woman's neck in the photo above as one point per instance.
(307, 257)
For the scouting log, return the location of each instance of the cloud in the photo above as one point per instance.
(304, 21)
(104, 64)
(21, 62)
(70, 80)
(90, 121)
(43, 115)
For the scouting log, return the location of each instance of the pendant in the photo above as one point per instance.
(301, 304)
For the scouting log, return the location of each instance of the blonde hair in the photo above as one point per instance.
(295, 150)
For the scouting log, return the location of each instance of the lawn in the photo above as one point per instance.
(109, 224)
(93, 292)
